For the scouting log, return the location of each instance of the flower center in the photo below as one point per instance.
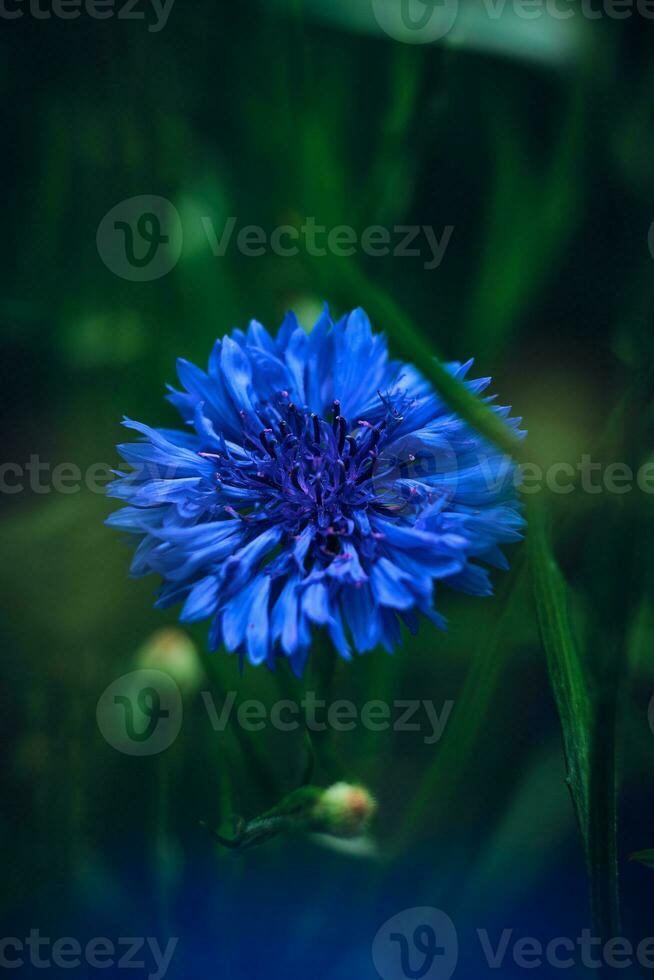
(302, 466)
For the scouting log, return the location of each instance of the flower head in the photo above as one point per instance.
(174, 653)
(318, 484)
(344, 810)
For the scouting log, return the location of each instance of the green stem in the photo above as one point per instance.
(252, 754)
(470, 712)
(602, 829)
(588, 728)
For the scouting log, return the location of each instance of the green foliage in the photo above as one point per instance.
(566, 670)
(272, 113)
(644, 857)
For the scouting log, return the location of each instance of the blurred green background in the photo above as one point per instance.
(532, 138)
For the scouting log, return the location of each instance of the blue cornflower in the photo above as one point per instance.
(319, 484)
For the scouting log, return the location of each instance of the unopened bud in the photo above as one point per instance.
(341, 811)
(173, 652)
(344, 810)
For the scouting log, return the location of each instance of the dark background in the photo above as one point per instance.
(535, 140)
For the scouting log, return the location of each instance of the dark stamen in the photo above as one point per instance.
(332, 545)
(342, 429)
(316, 426)
(295, 469)
(265, 478)
(366, 469)
(293, 417)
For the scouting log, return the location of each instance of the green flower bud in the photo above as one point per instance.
(173, 652)
(344, 810)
